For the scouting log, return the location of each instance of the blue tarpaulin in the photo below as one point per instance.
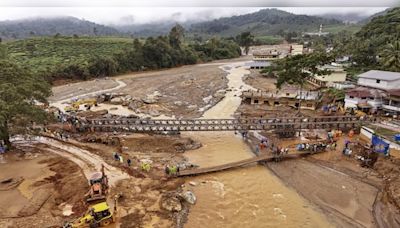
(380, 146)
(397, 137)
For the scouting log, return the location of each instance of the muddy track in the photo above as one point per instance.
(60, 103)
(86, 160)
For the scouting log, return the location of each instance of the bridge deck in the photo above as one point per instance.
(150, 125)
(263, 157)
(198, 171)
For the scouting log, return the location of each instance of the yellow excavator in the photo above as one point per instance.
(98, 215)
(74, 107)
(88, 103)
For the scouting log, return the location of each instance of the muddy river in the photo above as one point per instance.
(244, 197)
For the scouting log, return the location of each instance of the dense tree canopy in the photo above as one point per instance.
(376, 45)
(19, 91)
(245, 39)
(297, 69)
(84, 57)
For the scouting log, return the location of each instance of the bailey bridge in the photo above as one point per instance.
(240, 124)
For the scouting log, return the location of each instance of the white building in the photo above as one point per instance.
(391, 103)
(337, 75)
(363, 98)
(296, 49)
(384, 80)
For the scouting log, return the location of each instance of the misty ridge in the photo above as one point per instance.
(262, 22)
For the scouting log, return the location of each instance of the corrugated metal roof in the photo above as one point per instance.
(379, 74)
(259, 64)
(394, 92)
(365, 92)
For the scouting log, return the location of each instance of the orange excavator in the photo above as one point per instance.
(98, 186)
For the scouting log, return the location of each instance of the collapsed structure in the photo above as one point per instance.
(337, 76)
(263, 55)
(294, 98)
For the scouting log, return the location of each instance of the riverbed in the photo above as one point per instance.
(244, 197)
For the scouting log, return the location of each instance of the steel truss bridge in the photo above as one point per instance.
(241, 124)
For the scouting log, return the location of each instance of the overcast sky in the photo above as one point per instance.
(129, 15)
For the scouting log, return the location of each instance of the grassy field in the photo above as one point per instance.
(270, 39)
(337, 28)
(47, 53)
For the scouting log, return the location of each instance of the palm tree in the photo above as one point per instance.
(390, 56)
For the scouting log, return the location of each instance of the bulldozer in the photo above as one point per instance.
(74, 107)
(88, 103)
(98, 215)
(98, 186)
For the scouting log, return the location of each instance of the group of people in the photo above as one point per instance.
(317, 147)
(145, 166)
(262, 145)
(278, 152)
(76, 122)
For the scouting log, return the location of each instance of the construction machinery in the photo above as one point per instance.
(98, 186)
(356, 112)
(74, 107)
(98, 215)
(88, 103)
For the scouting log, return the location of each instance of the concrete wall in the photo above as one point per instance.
(334, 77)
(392, 108)
(385, 85)
(368, 132)
(342, 86)
(352, 102)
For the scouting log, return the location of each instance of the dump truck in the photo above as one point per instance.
(98, 215)
(98, 186)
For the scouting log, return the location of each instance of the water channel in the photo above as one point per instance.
(244, 197)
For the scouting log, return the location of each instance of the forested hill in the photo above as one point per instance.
(382, 29)
(263, 22)
(368, 19)
(379, 37)
(20, 29)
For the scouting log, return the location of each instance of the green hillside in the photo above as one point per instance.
(80, 58)
(377, 44)
(261, 23)
(47, 54)
(66, 26)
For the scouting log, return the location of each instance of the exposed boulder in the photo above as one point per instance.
(192, 107)
(178, 103)
(152, 98)
(154, 112)
(170, 202)
(220, 94)
(116, 100)
(189, 197)
(135, 104)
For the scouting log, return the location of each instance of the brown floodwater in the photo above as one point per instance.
(244, 197)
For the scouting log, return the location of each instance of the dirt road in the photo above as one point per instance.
(335, 192)
(87, 161)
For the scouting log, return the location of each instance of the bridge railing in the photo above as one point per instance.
(243, 121)
(208, 126)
